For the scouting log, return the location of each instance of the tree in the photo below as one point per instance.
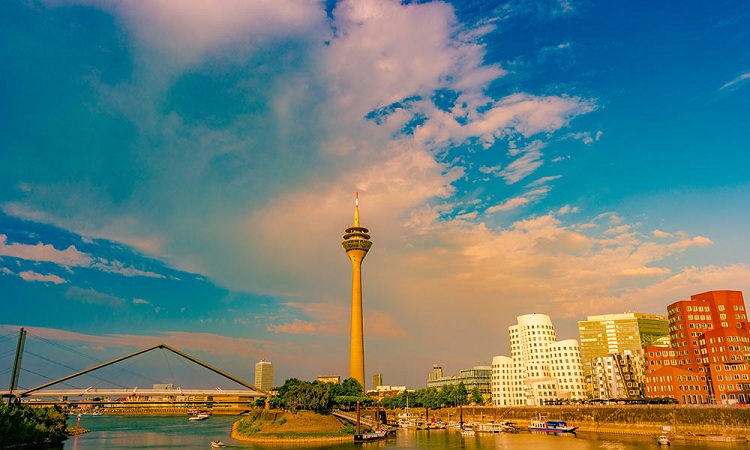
(476, 396)
(461, 393)
(351, 386)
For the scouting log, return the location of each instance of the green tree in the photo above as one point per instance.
(351, 386)
(461, 393)
(476, 396)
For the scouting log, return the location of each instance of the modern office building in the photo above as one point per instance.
(612, 345)
(540, 370)
(264, 375)
(710, 337)
(476, 377)
(356, 244)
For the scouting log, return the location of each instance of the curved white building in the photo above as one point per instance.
(540, 369)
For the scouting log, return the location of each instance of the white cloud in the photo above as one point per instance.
(189, 31)
(29, 275)
(44, 252)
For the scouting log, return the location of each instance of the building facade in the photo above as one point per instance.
(710, 338)
(264, 375)
(612, 343)
(540, 370)
(619, 375)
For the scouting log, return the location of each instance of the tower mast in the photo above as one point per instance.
(356, 244)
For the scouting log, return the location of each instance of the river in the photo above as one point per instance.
(113, 432)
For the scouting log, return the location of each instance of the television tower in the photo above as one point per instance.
(356, 244)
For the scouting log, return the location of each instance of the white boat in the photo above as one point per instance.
(217, 444)
(468, 432)
(199, 417)
(663, 440)
(550, 426)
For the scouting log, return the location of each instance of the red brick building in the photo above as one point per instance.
(710, 337)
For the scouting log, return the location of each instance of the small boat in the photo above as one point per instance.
(468, 432)
(663, 440)
(199, 417)
(371, 436)
(550, 426)
(217, 444)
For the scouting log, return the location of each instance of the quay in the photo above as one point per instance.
(704, 422)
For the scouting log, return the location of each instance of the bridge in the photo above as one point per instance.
(158, 394)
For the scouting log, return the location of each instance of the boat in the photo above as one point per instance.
(468, 432)
(371, 436)
(217, 444)
(550, 426)
(663, 440)
(199, 417)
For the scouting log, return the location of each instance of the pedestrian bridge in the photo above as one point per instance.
(165, 394)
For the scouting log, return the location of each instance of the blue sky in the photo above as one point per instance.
(183, 172)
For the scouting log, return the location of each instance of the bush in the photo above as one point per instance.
(21, 424)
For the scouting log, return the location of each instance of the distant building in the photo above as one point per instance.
(329, 379)
(377, 380)
(437, 373)
(612, 351)
(710, 337)
(541, 370)
(387, 391)
(264, 375)
(477, 376)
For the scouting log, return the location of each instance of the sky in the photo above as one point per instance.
(183, 173)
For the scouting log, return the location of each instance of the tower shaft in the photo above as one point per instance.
(356, 244)
(357, 337)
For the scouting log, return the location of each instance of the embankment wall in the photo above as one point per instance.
(630, 419)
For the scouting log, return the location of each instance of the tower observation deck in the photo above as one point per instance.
(356, 244)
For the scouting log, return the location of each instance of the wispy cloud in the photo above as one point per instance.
(93, 297)
(520, 168)
(737, 82)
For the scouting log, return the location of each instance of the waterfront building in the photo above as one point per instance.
(540, 370)
(612, 345)
(710, 337)
(356, 244)
(264, 375)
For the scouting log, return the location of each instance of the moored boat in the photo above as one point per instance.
(663, 440)
(550, 426)
(371, 436)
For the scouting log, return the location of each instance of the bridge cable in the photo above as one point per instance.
(94, 359)
(73, 369)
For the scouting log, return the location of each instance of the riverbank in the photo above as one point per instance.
(287, 427)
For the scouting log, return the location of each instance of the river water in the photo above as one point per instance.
(113, 432)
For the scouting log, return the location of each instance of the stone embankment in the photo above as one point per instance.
(615, 419)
